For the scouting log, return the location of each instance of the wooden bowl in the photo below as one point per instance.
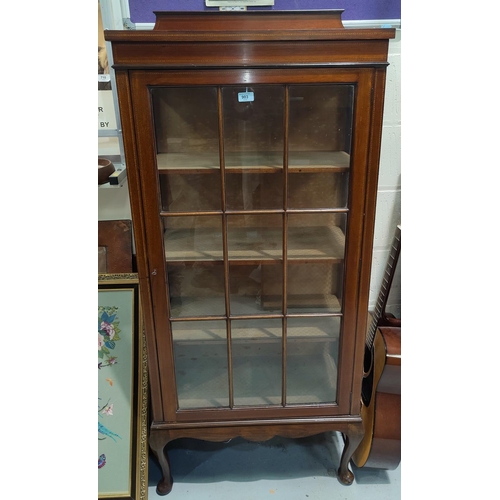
(105, 169)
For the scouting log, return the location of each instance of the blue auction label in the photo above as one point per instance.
(245, 96)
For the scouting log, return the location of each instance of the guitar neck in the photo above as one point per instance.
(390, 269)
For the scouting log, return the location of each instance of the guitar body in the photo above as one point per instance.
(381, 445)
(381, 387)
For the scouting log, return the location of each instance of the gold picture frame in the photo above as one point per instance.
(122, 390)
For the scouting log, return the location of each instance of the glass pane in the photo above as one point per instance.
(316, 237)
(253, 147)
(314, 288)
(190, 192)
(257, 237)
(201, 368)
(320, 133)
(256, 288)
(253, 127)
(248, 190)
(316, 245)
(312, 360)
(196, 289)
(187, 144)
(320, 123)
(194, 238)
(257, 361)
(318, 190)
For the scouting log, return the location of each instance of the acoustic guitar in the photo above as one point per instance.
(381, 386)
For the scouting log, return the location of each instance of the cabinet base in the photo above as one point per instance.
(161, 435)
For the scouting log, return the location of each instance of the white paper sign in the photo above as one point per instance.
(106, 118)
(245, 97)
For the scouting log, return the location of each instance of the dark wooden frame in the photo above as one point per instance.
(297, 47)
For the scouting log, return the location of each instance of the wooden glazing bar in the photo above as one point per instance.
(230, 363)
(256, 316)
(198, 318)
(255, 212)
(314, 315)
(285, 150)
(221, 149)
(285, 245)
(189, 214)
(258, 212)
(283, 369)
(225, 246)
(317, 210)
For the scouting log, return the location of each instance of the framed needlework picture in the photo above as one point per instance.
(122, 404)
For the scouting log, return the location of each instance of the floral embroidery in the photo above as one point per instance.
(107, 410)
(108, 328)
(108, 335)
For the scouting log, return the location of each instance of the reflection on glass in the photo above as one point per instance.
(255, 237)
(190, 192)
(257, 361)
(187, 144)
(320, 125)
(193, 238)
(317, 190)
(248, 190)
(312, 360)
(253, 127)
(316, 245)
(196, 289)
(320, 130)
(314, 288)
(200, 356)
(255, 288)
(317, 236)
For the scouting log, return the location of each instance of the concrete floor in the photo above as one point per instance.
(276, 469)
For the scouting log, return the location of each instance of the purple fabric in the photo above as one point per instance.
(141, 11)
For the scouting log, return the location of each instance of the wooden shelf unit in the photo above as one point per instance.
(252, 159)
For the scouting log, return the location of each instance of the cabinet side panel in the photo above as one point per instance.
(350, 342)
(123, 90)
(150, 191)
(378, 93)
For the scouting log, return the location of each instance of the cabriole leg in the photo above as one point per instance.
(352, 439)
(157, 441)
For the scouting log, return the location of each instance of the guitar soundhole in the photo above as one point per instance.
(367, 365)
(366, 389)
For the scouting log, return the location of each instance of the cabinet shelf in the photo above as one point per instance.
(249, 329)
(253, 162)
(255, 244)
(192, 307)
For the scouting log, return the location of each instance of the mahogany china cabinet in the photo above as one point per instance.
(252, 144)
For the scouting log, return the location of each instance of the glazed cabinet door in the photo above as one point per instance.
(253, 195)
